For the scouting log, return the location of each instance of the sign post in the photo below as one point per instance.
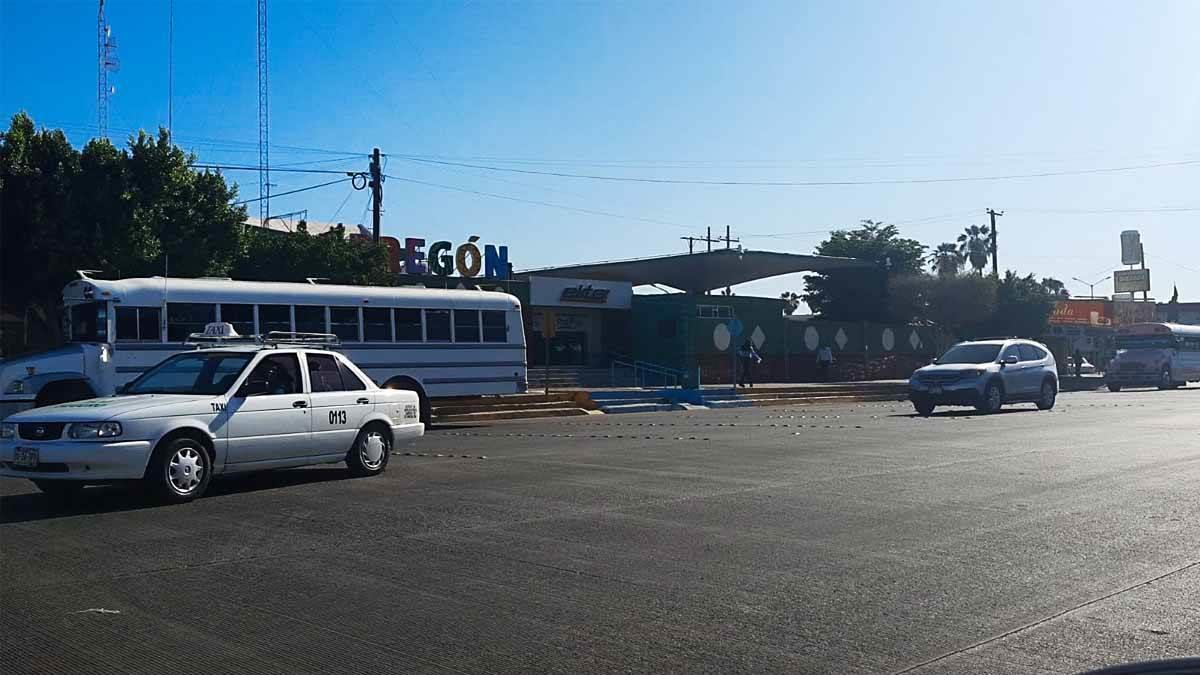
(735, 330)
(549, 330)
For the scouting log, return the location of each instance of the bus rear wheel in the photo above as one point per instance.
(407, 384)
(1113, 387)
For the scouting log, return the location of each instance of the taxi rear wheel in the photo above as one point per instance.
(179, 471)
(371, 450)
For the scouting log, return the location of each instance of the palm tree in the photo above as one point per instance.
(947, 260)
(974, 245)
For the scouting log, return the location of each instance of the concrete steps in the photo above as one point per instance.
(510, 407)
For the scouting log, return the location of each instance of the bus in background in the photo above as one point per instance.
(1164, 355)
(435, 342)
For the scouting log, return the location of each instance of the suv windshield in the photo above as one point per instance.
(971, 354)
(197, 373)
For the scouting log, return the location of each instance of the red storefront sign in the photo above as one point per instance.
(1081, 313)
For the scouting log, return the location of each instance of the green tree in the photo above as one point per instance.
(974, 246)
(955, 304)
(860, 295)
(1055, 287)
(791, 302)
(281, 256)
(124, 212)
(1023, 307)
(947, 260)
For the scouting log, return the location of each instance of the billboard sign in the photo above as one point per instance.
(1126, 312)
(1081, 313)
(1131, 247)
(1131, 281)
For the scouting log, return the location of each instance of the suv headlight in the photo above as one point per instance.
(95, 430)
(8, 430)
(976, 372)
(15, 387)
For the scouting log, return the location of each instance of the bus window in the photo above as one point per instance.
(185, 318)
(408, 325)
(437, 325)
(343, 322)
(494, 326)
(241, 316)
(466, 325)
(310, 319)
(138, 324)
(377, 324)
(274, 318)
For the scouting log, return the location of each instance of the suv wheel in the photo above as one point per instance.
(993, 399)
(923, 407)
(1164, 378)
(1049, 394)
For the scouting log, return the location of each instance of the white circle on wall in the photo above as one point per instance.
(758, 337)
(721, 337)
(889, 339)
(812, 339)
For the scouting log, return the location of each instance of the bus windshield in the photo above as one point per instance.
(205, 373)
(89, 322)
(1156, 341)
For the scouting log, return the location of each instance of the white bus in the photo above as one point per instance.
(1165, 355)
(435, 342)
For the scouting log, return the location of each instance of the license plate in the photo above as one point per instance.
(25, 457)
(935, 389)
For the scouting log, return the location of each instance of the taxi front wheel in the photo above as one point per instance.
(371, 450)
(179, 471)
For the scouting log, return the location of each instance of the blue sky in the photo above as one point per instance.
(747, 91)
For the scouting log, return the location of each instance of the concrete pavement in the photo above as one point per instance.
(849, 538)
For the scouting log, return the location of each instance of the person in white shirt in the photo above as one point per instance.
(824, 361)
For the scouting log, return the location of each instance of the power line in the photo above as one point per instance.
(341, 206)
(318, 161)
(888, 181)
(592, 212)
(235, 167)
(291, 192)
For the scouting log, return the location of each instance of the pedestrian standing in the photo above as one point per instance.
(824, 362)
(748, 358)
(1078, 363)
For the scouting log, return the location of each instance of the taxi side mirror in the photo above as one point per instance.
(252, 388)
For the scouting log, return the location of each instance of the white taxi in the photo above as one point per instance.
(221, 409)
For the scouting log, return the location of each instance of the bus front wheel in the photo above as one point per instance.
(1113, 387)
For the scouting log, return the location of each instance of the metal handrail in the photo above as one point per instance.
(644, 368)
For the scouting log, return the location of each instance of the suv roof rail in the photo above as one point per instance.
(318, 340)
(998, 337)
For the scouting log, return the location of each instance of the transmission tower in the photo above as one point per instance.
(264, 165)
(106, 62)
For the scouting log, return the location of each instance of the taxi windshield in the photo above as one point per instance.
(970, 354)
(197, 373)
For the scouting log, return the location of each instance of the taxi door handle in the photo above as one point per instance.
(364, 400)
(299, 404)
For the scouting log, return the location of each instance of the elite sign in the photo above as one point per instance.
(1131, 281)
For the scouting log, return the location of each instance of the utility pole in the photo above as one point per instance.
(376, 185)
(691, 243)
(708, 238)
(995, 263)
(727, 240)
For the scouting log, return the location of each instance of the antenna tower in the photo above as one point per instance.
(264, 165)
(106, 62)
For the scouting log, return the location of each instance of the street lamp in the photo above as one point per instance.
(1092, 284)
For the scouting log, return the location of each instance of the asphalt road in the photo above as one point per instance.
(823, 539)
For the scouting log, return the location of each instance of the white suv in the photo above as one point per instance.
(221, 409)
